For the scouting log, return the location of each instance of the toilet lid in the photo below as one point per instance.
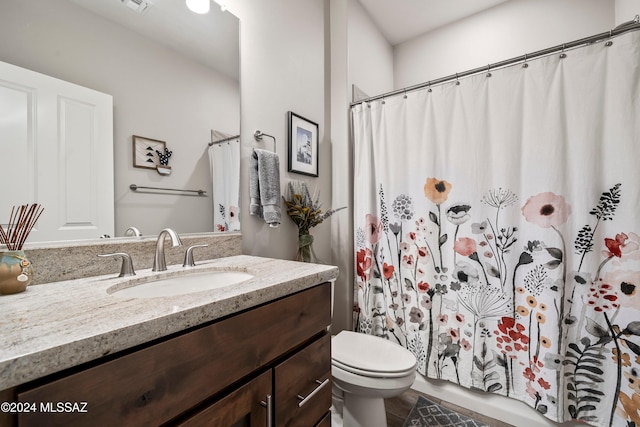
(361, 353)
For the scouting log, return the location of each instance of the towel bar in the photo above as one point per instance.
(200, 193)
(259, 134)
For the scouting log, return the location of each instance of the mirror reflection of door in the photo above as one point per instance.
(52, 128)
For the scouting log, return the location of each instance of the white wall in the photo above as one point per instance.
(157, 93)
(370, 54)
(342, 189)
(282, 48)
(360, 55)
(508, 30)
(626, 10)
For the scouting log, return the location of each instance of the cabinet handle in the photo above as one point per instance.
(269, 405)
(304, 400)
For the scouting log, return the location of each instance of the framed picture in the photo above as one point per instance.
(303, 145)
(144, 152)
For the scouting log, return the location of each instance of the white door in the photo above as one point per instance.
(56, 149)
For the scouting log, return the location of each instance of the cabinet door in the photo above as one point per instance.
(303, 385)
(244, 407)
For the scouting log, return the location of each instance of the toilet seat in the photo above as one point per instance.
(371, 356)
(371, 374)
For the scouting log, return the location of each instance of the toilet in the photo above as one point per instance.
(366, 370)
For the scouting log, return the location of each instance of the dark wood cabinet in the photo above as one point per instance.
(302, 385)
(251, 405)
(219, 374)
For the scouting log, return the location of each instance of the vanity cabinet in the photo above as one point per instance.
(272, 361)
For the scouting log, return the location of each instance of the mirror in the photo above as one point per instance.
(173, 76)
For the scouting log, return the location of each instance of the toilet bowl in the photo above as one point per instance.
(366, 370)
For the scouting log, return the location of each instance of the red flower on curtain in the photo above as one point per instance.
(363, 263)
(615, 245)
(387, 270)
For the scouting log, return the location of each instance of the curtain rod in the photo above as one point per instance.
(632, 25)
(224, 140)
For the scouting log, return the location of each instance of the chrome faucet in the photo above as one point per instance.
(159, 261)
(132, 231)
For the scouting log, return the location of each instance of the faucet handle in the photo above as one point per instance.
(127, 263)
(188, 255)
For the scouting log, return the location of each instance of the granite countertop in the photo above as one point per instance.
(59, 325)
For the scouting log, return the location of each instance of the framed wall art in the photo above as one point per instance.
(145, 152)
(303, 145)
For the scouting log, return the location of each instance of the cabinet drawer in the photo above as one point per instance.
(153, 385)
(325, 421)
(240, 408)
(303, 385)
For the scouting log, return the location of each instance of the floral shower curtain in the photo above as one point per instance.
(224, 165)
(498, 230)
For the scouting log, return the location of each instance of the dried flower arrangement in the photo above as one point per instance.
(305, 211)
(21, 221)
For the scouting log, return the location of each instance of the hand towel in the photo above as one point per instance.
(264, 186)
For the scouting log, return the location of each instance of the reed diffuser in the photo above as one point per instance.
(16, 271)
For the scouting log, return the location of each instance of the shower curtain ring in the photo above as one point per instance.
(457, 81)
(405, 94)
(429, 86)
(525, 65)
(562, 54)
(489, 70)
(609, 43)
(383, 101)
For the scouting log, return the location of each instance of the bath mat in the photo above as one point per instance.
(425, 413)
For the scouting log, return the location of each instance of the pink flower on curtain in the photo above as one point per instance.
(465, 246)
(625, 284)
(423, 254)
(546, 210)
(631, 249)
(373, 229)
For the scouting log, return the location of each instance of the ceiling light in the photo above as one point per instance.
(199, 6)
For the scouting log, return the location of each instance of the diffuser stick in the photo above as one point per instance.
(21, 222)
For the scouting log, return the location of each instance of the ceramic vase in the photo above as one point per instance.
(16, 272)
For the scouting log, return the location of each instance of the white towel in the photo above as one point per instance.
(264, 186)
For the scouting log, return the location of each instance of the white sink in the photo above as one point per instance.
(186, 284)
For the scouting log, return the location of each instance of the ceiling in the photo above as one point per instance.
(211, 39)
(402, 20)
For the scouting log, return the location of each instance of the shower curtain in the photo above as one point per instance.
(498, 231)
(224, 162)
